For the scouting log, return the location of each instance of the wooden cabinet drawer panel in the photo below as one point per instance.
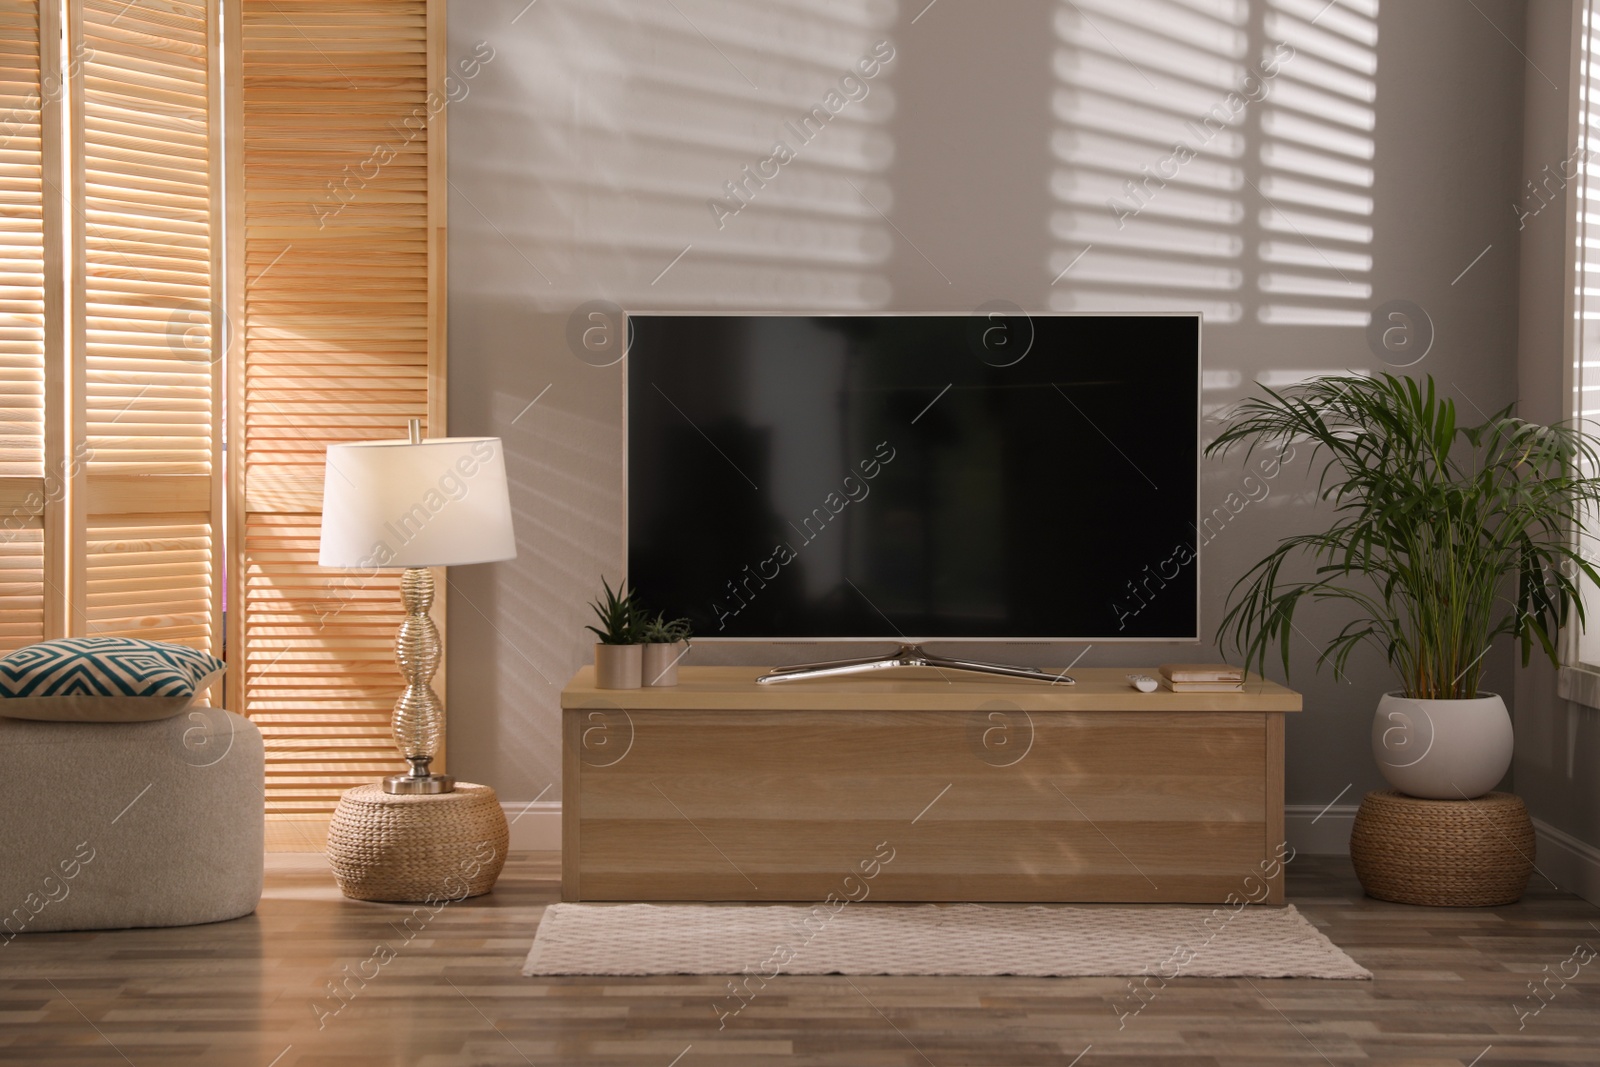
(993, 797)
(806, 860)
(882, 743)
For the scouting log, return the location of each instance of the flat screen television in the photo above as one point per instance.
(915, 477)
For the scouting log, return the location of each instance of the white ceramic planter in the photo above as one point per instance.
(661, 662)
(1442, 749)
(618, 666)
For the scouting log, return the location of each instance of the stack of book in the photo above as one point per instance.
(1202, 677)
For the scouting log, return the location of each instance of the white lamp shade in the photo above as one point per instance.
(432, 504)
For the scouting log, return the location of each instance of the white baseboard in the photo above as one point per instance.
(1314, 830)
(536, 826)
(1571, 864)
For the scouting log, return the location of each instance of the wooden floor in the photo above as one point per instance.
(252, 993)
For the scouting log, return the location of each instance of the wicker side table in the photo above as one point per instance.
(405, 847)
(1443, 853)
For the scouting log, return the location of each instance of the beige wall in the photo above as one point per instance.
(583, 155)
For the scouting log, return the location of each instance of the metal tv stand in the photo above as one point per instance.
(904, 656)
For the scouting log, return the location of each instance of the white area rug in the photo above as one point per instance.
(964, 939)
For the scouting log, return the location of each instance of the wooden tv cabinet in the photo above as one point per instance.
(976, 789)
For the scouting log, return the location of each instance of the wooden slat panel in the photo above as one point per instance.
(148, 392)
(320, 679)
(336, 282)
(149, 578)
(21, 499)
(22, 585)
(148, 494)
(22, 244)
(340, 197)
(146, 320)
(22, 327)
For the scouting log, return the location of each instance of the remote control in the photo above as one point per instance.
(1143, 683)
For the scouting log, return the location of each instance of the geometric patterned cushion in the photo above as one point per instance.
(103, 679)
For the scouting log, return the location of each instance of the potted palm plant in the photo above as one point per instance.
(618, 661)
(666, 641)
(1447, 538)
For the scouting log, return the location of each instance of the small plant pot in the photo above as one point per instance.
(661, 662)
(1442, 749)
(618, 666)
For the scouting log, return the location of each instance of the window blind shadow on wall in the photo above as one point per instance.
(591, 162)
(1216, 158)
(707, 153)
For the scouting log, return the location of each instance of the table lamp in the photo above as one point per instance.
(416, 504)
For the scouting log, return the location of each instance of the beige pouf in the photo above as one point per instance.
(1443, 853)
(392, 847)
(109, 825)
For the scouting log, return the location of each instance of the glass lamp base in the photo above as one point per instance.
(426, 784)
(418, 715)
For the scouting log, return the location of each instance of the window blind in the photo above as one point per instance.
(1583, 168)
(341, 209)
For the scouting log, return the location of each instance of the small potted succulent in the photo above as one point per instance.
(618, 655)
(666, 641)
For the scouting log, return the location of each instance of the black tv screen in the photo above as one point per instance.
(915, 477)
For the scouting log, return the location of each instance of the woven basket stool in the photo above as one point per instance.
(1443, 853)
(398, 847)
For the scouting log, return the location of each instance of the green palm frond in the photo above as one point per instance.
(1446, 536)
